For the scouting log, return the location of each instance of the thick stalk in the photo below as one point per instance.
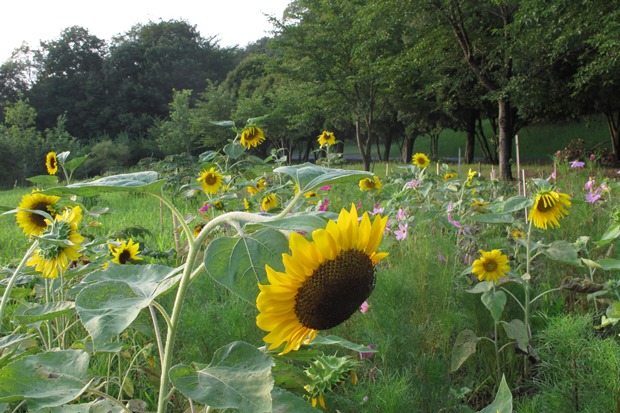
(526, 287)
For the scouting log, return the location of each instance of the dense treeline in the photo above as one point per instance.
(376, 73)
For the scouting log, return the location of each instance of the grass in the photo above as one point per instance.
(418, 307)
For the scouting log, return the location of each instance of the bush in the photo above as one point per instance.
(107, 156)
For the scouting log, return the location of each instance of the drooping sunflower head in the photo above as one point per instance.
(252, 136)
(51, 163)
(219, 205)
(54, 257)
(247, 205)
(33, 223)
(450, 175)
(324, 282)
(126, 252)
(491, 266)
(327, 138)
(368, 184)
(197, 230)
(210, 180)
(268, 202)
(311, 194)
(420, 160)
(548, 207)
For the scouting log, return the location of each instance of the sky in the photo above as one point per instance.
(234, 22)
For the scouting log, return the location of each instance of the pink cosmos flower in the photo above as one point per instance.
(588, 186)
(414, 183)
(592, 158)
(592, 197)
(577, 164)
(367, 355)
(401, 215)
(204, 208)
(325, 188)
(401, 232)
(364, 307)
(323, 204)
(376, 210)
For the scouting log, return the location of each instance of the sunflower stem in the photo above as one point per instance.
(11, 283)
(526, 287)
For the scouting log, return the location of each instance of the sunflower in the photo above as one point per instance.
(52, 258)
(252, 136)
(219, 205)
(247, 205)
(210, 180)
(30, 222)
(260, 186)
(548, 207)
(311, 194)
(450, 175)
(197, 229)
(125, 252)
(420, 160)
(324, 280)
(51, 163)
(327, 138)
(268, 202)
(368, 184)
(491, 266)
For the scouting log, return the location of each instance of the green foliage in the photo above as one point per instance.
(107, 156)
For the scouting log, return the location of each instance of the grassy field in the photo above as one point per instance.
(421, 302)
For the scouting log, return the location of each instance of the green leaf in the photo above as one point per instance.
(515, 203)
(286, 402)
(234, 150)
(608, 264)
(228, 123)
(74, 163)
(98, 406)
(113, 298)
(494, 301)
(611, 234)
(504, 218)
(502, 402)
(37, 312)
(297, 222)
(13, 339)
(464, 346)
(45, 380)
(238, 377)
(563, 251)
(516, 330)
(139, 182)
(309, 176)
(43, 179)
(238, 263)
(335, 340)
(481, 287)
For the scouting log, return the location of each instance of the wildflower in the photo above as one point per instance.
(592, 158)
(204, 208)
(401, 215)
(252, 136)
(325, 188)
(51, 258)
(376, 210)
(31, 222)
(368, 354)
(420, 160)
(323, 204)
(270, 201)
(325, 280)
(368, 184)
(364, 307)
(327, 138)
(590, 184)
(491, 266)
(401, 232)
(126, 252)
(210, 180)
(51, 163)
(592, 197)
(548, 207)
(414, 183)
(577, 164)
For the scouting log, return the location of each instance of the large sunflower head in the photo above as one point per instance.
(252, 136)
(51, 258)
(324, 282)
(491, 266)
(327, 138)
(368, 184)
(210, 180)
(420, 160)
(30, 222)
(548, 207)
(125, 252)
(51, 163)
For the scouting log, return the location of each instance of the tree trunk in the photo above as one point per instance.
(407, 151)
(364, 153)
(504, 121)
(613, 123)
(470, 141)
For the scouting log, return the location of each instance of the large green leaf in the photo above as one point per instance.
(502, 402)
(143, 182)
(43, 179)
(239, 263)
(74, 163)
(298, 222)
(516, 330)
(611, 234)
(238, 377)
(464, 346)
(39, 312)
(309, 176)
(515, 203)
(563, 251)
(45, 380)
(335, 340)
(494, 301)
(609, 263)
(98, 406)
(503, 218)
(113, 298)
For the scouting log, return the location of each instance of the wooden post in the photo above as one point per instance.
(518, 165)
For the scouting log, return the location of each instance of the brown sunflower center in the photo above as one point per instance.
(546, 203)
(490, 266)
(124, 256)
(335, 290)
(52, 163)
(38, 219)
(210, 179)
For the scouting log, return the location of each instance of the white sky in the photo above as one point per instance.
(235, 22)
